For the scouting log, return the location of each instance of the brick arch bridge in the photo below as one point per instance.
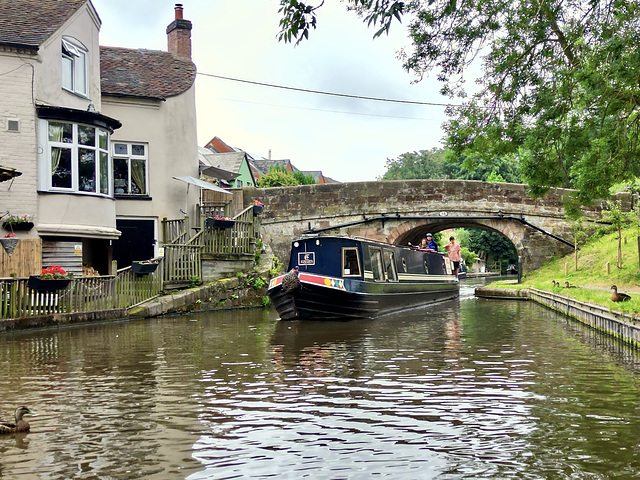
(402, 211)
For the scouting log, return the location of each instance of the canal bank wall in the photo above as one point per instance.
(621, 326)
(246, 291)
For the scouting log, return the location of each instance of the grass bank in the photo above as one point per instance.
(590, 281)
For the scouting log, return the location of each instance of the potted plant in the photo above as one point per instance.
(257, 207)
(9, 243)
(219, 222)
(144, 267)
(52, 278)
(14, 223)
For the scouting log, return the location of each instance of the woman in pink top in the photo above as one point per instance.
(453, 252)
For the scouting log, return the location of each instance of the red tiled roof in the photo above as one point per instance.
(28, 23)
(144, 73)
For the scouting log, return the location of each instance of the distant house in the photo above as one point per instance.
(98, 133)
(236, 163)
(262, 167)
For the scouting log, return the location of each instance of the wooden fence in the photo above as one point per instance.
(181, 264)
(84, 294)
(24, 259)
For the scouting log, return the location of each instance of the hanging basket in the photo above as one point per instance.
(9, 244)
(257, 209)
(217, 223)
(144, 268)
(17, 226)
(47, 284)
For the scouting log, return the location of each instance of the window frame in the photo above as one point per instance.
(129, 157)
(344, 252)
(73, 51)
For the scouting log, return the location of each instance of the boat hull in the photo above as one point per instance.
(313, 300)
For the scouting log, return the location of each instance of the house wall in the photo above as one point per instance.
(84, 26)
(17, 149)
(169, 128)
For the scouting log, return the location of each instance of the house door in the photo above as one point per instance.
(137, 241)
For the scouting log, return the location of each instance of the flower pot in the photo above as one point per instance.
(17, 226)
(47, 284)
(144, 268)
(217, 223)
(9, 244)
(257, 209)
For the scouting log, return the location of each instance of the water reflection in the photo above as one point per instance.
(465, 389)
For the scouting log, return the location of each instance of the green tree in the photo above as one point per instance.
(279, 177)
(559, 87)
(439, 163)
(619, 219)
(497, 247)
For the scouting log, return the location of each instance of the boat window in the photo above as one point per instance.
(376, 264)
(390, 266)
(350, 262)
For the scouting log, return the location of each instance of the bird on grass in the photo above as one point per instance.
(568, 285)
(619, 297)
(555, 284)
(20, 425)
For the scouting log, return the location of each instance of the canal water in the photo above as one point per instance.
(468, 389)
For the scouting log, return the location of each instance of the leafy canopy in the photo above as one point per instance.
(559, 86)
(279, 177)
(439, 164)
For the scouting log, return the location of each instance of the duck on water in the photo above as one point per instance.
(20, 425)
(337, 277)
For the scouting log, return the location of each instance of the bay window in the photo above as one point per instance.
(77, 158)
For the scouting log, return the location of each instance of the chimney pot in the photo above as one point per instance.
(178, 10)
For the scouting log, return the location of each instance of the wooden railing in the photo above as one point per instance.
(84, 294)
(174, 231)
(240, 238)
(183, 263)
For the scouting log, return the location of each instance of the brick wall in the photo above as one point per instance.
(18, 149)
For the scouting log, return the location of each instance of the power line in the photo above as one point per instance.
(327, 111)
(333, 94)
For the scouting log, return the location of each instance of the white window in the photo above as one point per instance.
(76, 158)
(74, 66)
(130, 168)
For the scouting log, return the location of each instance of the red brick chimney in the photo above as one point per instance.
(179, 36)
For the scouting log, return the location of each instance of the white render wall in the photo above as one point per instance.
(18, 149)
(169, 128)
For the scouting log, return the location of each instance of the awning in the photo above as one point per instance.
(7, 173)
(218, 173)
(202, 184)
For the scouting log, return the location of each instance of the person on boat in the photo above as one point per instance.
(453, 252)
(431, 243)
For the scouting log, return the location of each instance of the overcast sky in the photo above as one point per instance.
(347, 139)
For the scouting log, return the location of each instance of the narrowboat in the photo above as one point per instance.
(336, 277)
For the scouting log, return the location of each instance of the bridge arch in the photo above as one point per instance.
(392, 211)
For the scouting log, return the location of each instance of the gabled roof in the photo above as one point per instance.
(28, 23)
(144, 73)
(218, 146)
(230, 161)
(264, 165)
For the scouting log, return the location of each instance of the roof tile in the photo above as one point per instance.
(144, 73)
(28, 23)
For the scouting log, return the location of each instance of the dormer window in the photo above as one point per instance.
(74, 66)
